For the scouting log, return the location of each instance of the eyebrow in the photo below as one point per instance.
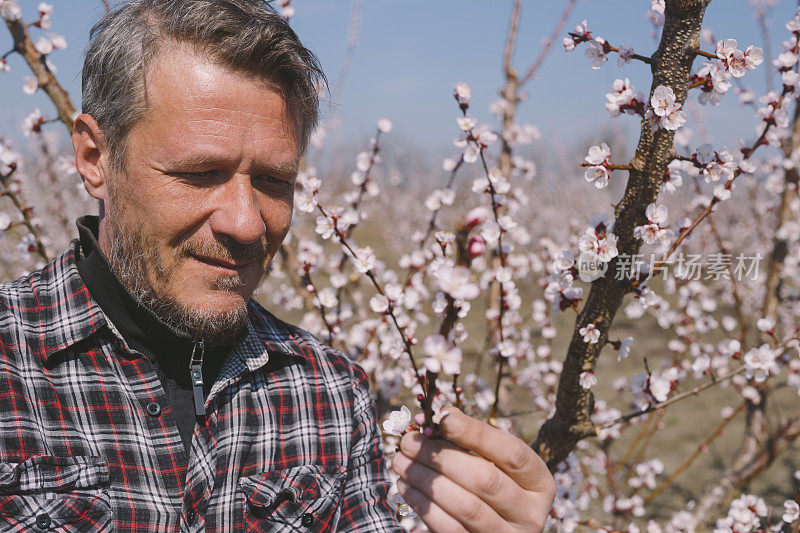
(286, 169)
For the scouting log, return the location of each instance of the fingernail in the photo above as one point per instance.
(411, 444)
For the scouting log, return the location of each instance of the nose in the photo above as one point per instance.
(237, 212)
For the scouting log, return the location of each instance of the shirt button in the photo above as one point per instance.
(307, 519)
(190, 516)
(153, 409)
(43, 521)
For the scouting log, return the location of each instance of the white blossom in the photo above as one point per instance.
(384, 125)
(792, 511)
(760, 363)
(625, 55)
(442, 356)
(587, 380)
(397, 422)
(590, 333)
(463, 92)
(596, 53)
(364, 260)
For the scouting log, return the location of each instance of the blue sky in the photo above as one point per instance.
(410, 52)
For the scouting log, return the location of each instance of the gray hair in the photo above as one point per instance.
(247, 36)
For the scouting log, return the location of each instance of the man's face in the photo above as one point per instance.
(205, 200)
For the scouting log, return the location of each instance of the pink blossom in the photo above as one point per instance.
(466, 123)
(31, 85)
(659, 387)
(665, 111)
(455, 281)
(10, 10)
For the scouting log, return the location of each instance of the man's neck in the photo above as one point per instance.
(142, 329)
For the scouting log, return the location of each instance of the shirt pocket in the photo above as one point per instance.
(301, 498)
(47, 493)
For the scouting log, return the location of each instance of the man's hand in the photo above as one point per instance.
(476, 478)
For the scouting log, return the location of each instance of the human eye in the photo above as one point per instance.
(203, 175)
(275, 183)
(200, 178)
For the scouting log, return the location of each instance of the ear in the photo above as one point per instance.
(91, 155)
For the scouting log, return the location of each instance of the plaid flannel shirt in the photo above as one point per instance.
(289, 441)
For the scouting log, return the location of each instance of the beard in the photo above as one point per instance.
(135, 259)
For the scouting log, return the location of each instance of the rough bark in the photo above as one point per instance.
(671, 66)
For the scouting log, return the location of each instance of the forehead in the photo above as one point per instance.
(194, 103)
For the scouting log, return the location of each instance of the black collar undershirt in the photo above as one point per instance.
(167, 348)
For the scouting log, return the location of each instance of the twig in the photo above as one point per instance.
(512, 36)
(691, 459)
(609, 166)
(45, 78)
(707, 55)
(371, 276)
(27, 220)
(678, 397)
(548, 44)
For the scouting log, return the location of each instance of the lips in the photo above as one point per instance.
(222, 263)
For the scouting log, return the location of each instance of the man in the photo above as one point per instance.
(143, 388)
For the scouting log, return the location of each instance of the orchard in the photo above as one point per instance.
(634, 315)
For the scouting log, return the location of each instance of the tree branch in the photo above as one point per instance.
(548, 44)
(671, 66)
(47, 81)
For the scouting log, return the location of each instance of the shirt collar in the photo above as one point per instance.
(68, 315)
(66, 311)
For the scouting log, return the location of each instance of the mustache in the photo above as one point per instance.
(226, 248)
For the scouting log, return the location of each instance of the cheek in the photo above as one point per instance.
(278, 217)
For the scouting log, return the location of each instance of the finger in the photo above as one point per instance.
(457, 502)
(430, 513)
(473, 473)
(509, 453)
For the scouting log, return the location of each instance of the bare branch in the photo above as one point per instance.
(780, 247)
(741, 473)
(678, 397)
(512, 37)
(548, 44)
(691, 459)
